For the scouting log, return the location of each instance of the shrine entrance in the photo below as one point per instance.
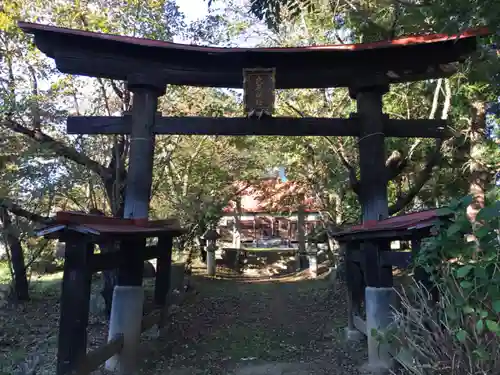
(367, 70)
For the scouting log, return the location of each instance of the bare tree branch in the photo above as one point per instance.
(58, 147)
(117, 91)
(353, 180)
(432, 160)
(295, 109)
(394, 169)
(102, 86)
(423, 176)
(19, 211)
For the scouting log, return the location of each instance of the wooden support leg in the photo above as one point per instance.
(162, 282)
(75, 296)
(355, 291)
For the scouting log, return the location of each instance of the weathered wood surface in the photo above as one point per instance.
(373, 184)
(239, 126)
(92, 64)
(140, 170)
(286, 79)
(75, 297)
(373, 173)
(98, 356)
(111, 260)
(259, 90)
(396, 234)
(163, 271)
(399, 259)
(359, 323)
(77, 52)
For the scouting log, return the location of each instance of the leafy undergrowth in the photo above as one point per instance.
(29, 330)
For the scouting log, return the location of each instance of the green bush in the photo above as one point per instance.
(460, 335)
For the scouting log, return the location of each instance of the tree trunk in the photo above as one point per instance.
(16, 257)
(479, 176)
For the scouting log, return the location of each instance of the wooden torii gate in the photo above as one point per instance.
(148, 66)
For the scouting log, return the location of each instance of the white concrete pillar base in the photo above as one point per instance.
(126, 319)
(379, 304)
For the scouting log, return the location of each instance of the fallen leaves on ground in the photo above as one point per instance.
(228, 324)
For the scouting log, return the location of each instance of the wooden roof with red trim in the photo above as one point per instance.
(407, 222)
(271, 195)
(117, 57)
(110, 226)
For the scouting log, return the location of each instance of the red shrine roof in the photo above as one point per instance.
(104, 225)
(406, 222)
(271, 195)
(115, 56)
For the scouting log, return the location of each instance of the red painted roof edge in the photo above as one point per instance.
(69, 217)
(398, 222)
(409, 40)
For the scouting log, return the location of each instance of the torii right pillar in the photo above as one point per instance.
(379, 294)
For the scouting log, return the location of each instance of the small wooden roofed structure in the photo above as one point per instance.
(117, 57)
(369, 261)
(109, 227)
(81, 232)
(397, 227)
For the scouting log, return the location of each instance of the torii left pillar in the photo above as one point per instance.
(128, 296)
(379, 294)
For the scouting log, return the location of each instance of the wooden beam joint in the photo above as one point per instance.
(148, 82)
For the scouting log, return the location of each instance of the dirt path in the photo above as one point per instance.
(232, 327)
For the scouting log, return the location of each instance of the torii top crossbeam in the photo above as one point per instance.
(117, 57)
